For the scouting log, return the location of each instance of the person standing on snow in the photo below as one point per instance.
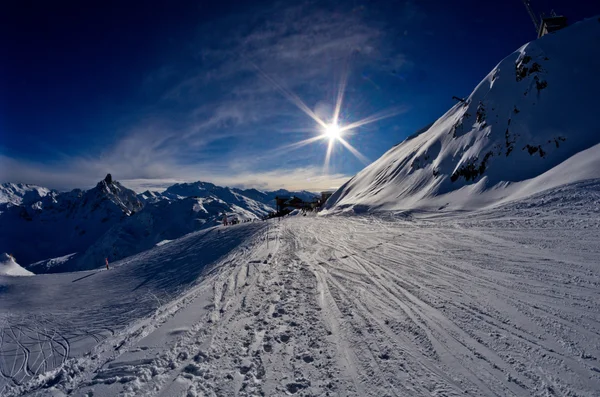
(106, 259)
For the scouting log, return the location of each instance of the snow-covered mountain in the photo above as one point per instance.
(233, 195)
(227, 195)
(64, 223)
(535, 115)
(77, 230)
(157, 224)
(20, 193)
(268, 197)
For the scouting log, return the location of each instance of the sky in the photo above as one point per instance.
(160, 92)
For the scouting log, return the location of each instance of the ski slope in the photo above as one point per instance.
(503, 302)
(529, 125)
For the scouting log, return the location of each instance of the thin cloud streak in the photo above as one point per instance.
(83, 174)
(229, 104)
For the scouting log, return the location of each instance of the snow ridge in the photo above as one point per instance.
(20, 193)
(8, 267)
(534, 110)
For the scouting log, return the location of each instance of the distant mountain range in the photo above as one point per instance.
(50, 231)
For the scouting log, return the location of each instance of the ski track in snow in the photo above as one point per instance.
(497, 303)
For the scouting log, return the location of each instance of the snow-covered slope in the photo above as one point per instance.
(535, 110)
(161, 221)
(9, 267)
(503, 302)
(76, 230)
(19, 193)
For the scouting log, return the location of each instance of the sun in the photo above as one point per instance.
(333, 131)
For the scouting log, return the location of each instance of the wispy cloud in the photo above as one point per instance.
(84, 174)
(220, 120)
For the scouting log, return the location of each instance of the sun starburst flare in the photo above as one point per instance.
(333, 131)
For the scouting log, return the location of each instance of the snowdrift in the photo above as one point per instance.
(8, 267)
(534, 111)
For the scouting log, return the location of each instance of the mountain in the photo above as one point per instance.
(150, 197)
(228, 195)
(157, 224)
(20, 193)
(268, 197)
(530, 125)
(63, 223)
(231, 195)
(77, 230)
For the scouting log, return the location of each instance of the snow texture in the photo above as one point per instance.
(534, 111)
(9, 267)
(503, 302)
(77, 230)
(19, 193)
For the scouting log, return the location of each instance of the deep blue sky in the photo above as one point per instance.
(163, 91)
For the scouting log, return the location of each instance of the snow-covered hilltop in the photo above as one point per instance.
(234, 197)
(534, 118)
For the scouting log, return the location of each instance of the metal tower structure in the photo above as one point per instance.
(532, 15)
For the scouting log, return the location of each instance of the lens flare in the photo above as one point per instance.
(333, 132)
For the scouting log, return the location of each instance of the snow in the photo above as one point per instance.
(231, 196)
(9, 267)
(414, 285)
(45, 265)
(19, 193)
(76, 230)
(502, 302)
(532, 113)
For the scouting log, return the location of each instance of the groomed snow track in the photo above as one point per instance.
(497, 303)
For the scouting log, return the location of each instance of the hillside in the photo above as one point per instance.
(535, 111)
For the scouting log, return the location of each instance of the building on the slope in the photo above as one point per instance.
(284, 204)
(280, 203)
(551, 24)
(548, 24)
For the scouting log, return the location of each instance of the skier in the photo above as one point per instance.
(225, 220)
(106, 259)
